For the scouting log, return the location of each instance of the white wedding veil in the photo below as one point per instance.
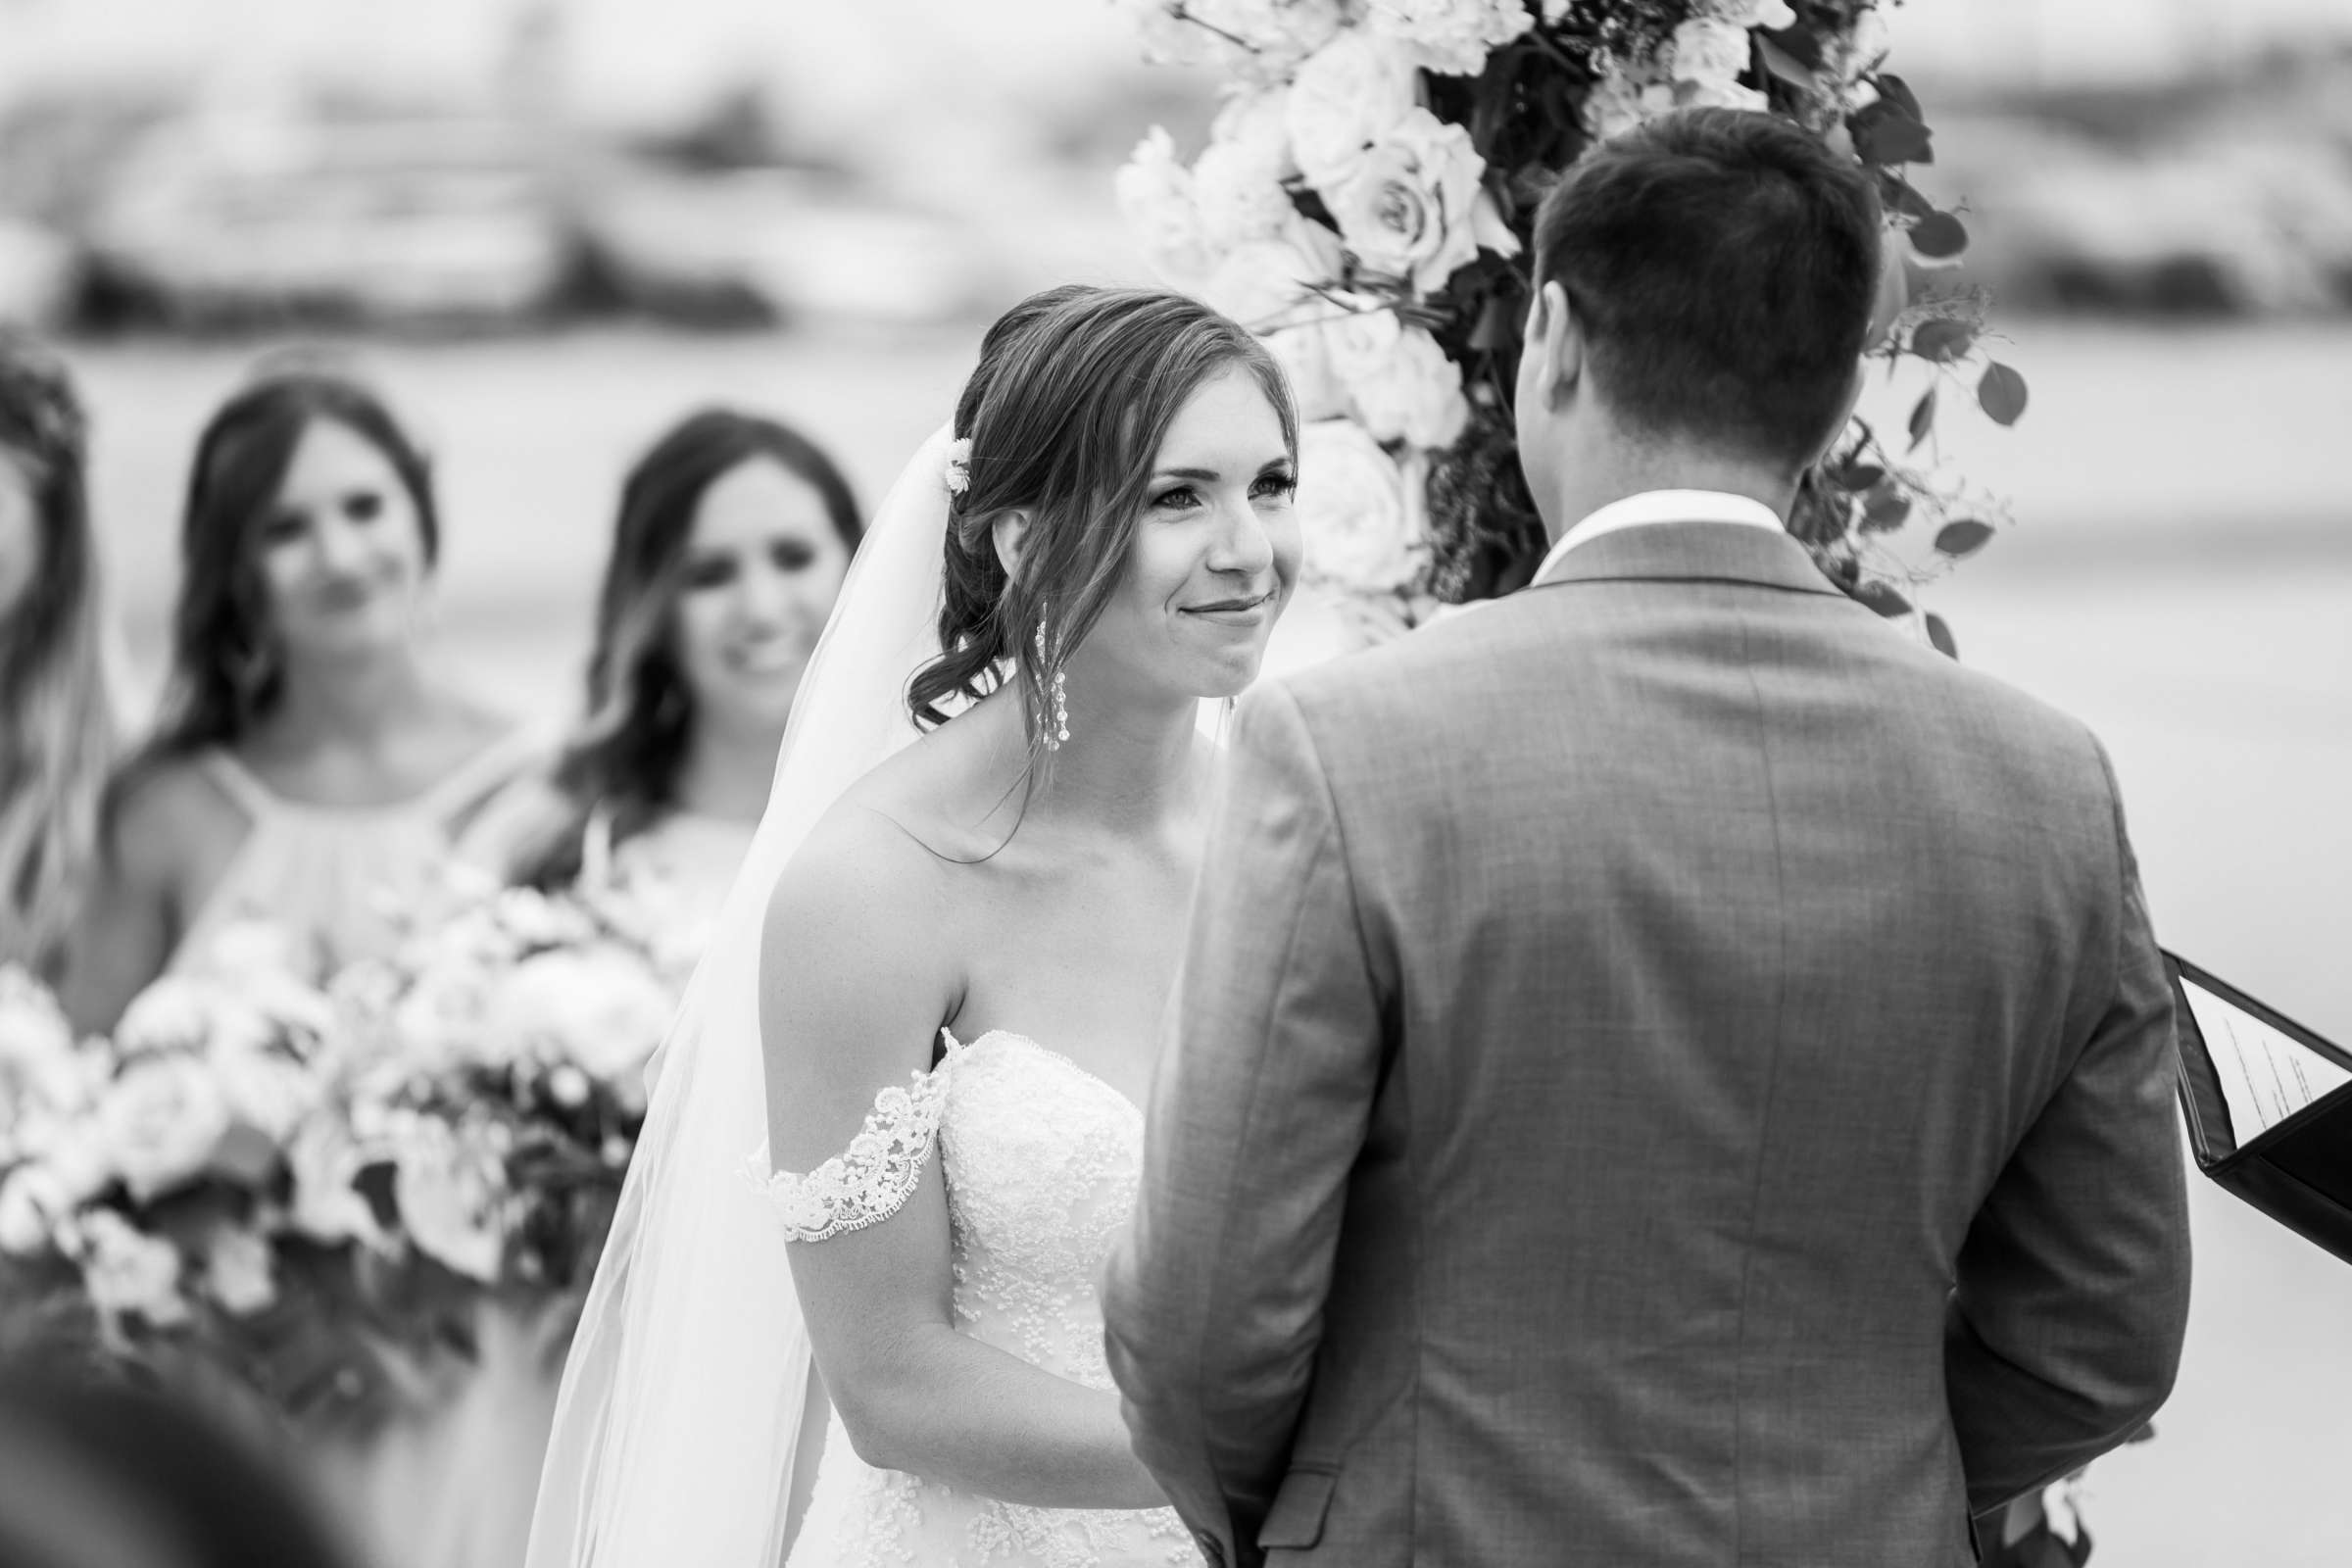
(681, 1401)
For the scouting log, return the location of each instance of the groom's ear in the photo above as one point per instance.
(1009, 533)
(1556, 343)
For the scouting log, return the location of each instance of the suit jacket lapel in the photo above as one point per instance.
(1691, 552)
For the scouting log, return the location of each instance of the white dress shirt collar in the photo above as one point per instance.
(1662, 505)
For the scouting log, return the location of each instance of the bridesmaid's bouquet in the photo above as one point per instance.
(183, 1185)
(498, 1077)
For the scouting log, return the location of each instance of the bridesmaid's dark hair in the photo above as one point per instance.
(227, 669)
(626, 752)
(1075, 390)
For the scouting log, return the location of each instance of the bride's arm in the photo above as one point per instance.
(856, 980)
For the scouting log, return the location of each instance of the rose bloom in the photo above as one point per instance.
(1770, 14)
(602, 1009)
(128, 1273)
(161, 1124)
(1361, 530)
(32, 1203)
(1451, 37)
(175, 1013)
(267, 1091)
(1350, 93)
(326, 1207)
(1708, 49)
(1154, 195)
(237, 1272)
(451, 1191)
(1237, 189)
(1270, 284)
(1413, 208)
(1403, 385)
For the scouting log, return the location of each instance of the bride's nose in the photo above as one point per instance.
(1240, 545)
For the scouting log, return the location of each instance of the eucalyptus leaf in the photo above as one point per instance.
(1923, 418)
(2002, 393)
(1963, 538)
(1939, 236)
(1941, 635)
(1883, 134)
(1942, 340)
(1895, 90)
(1884, 597)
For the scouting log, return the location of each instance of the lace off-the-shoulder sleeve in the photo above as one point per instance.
(869, 1181)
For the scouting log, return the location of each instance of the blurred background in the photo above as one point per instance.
(549, 226)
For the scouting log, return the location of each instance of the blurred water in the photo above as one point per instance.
(2181, 576)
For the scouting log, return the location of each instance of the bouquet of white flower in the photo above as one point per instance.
(498, 1077)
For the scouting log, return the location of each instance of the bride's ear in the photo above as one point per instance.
(1009, 533)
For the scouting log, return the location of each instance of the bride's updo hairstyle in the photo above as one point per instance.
(1075, 391)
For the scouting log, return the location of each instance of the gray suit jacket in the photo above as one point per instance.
(1667, 1071)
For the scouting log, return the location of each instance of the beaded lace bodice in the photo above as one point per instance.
(1041, 1160)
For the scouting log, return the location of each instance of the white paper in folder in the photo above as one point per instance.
(2266, 1074)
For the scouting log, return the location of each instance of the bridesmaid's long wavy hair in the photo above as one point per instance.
(626, 754)
(57, 720)
(1075, 390)
(228, 668)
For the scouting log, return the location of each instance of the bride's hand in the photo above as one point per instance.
(854, 990)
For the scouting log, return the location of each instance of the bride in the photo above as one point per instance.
(950, 947)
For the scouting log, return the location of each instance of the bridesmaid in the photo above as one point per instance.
(57, 720)
(306, 765)
(733, 537)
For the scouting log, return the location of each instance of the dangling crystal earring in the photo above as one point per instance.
(1059, 730)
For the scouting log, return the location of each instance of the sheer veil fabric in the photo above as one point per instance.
(680, 1408)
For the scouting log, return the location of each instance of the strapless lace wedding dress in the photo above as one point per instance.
(1042, 1160)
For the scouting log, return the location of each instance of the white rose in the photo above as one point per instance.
(162, 1122)
(1770, 14)
(326, 1207)
(175, 1013)
(1866, 45)
(1403, 385)
(1708, 49)
(1348, 94)
(1353, 509)
(1154, 195)
(532, 919)
(32, 1203)
(1451, 37)
(33, 1030)
(1305, 353)
(1276, 34)
(237, 1272)
(438, 1023)
(248, 945)
(599, 1008)
(266, 1091)
(1615, 106)
(1237, 189)
(128, 1272)
(1269, 284)
(452, 1196)
(1258, 118)
(1413, 208)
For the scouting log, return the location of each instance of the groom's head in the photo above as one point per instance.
(1704, 287)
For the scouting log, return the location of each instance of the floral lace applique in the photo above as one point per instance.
(872, 1179)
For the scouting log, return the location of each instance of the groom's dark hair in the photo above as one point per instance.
(1723, 264)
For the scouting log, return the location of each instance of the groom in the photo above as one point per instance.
(1667, 1070)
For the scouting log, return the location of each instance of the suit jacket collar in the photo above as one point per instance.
(1691, 552)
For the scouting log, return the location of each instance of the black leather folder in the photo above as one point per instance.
(2269, 1105)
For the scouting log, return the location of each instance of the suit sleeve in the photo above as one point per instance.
(1214, 1306)
(2065, 1326)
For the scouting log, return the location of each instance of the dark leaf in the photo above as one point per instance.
(1786, 66)
(1942, 340)
(1856, 475)
(1939, 236)
(1899, 194)
(1887, 508)
(1883, 134)
(1498, 325)
(2002, 393)
(1883, 598)
(1963, 538)
(1923, 418)
(1797, 44)
(1895, 90)
(1941, 636)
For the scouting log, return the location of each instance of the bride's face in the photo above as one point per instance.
(1215, 553)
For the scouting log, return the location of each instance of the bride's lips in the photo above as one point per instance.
(1240, 613)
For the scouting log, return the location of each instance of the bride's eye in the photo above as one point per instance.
(1183, 496)
(1276, 485)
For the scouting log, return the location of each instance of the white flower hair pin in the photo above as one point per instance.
(957, 475)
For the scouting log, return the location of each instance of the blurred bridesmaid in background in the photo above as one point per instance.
(307, 767)
(56, 717)
(733, 537)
